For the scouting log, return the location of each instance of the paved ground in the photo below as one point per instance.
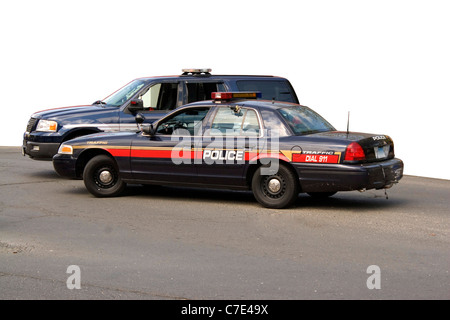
(176, 243)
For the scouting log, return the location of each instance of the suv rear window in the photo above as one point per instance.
(270, 89)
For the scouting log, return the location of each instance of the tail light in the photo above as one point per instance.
(354, 152)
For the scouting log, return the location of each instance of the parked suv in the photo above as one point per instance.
(152, 96)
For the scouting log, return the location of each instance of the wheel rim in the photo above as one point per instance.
(274, 186)
(105, 177)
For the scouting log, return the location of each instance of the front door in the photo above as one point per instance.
(168, 155)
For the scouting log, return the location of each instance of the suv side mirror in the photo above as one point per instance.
(139, 118)
(136, 105)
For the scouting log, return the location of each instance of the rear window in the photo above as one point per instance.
(278, 90)
(303, 120)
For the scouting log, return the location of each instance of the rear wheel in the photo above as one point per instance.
(276, 190)
(101, 177)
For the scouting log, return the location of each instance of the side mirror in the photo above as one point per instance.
(136, 105)
(139, 118)
(148, 129)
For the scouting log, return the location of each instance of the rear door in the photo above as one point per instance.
(227, 146)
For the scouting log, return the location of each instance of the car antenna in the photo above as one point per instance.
(348, 123)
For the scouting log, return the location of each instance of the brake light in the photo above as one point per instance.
(354, 152)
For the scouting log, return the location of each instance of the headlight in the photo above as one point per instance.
(65, 149)
(47, 126)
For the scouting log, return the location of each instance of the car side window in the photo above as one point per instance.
(161, 96)
(186, 122)
(232, 122)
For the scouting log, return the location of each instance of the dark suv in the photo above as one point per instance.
(152, 96)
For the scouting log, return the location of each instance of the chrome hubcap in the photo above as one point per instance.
(274, 185)
(105, 177)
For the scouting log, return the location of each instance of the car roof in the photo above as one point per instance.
(212, 77)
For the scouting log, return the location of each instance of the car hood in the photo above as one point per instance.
(102, 138)
(66, 113)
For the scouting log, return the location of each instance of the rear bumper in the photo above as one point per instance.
(342, 177)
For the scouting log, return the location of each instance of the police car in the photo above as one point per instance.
(152, 96)
(276, 149)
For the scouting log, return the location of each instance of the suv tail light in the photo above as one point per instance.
(354, 152)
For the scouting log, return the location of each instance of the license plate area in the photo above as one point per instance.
(382, 152)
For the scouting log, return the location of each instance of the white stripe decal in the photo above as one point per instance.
(106, 127)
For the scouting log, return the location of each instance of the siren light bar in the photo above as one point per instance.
(219, 96)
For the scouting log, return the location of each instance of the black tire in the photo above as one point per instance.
(277, 190)
(101, 177)
(321, 195)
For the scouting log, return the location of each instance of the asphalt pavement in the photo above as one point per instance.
(57, 241)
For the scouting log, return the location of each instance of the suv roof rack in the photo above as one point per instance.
(196, 72)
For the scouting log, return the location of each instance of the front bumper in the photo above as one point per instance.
(65, 165)
(39, 150)
(343, 177)
(41, 145)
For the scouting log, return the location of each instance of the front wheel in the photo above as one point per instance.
(101, 177)
(276, 190)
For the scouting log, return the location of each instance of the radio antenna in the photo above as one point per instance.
(348, 123)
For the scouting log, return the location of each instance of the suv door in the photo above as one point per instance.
(200, 90)
(159, 98)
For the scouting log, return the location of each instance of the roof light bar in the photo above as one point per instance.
(235, 95)
(196, 71)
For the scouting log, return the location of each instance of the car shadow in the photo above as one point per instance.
(352, 200)
(45, 174)
(193, 193)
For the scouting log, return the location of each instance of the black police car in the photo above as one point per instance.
(153, 96)
(276, 149)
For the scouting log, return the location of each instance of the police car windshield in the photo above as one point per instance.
(303, 120)
(123, 95)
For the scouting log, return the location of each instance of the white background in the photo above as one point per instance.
(387, 62)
